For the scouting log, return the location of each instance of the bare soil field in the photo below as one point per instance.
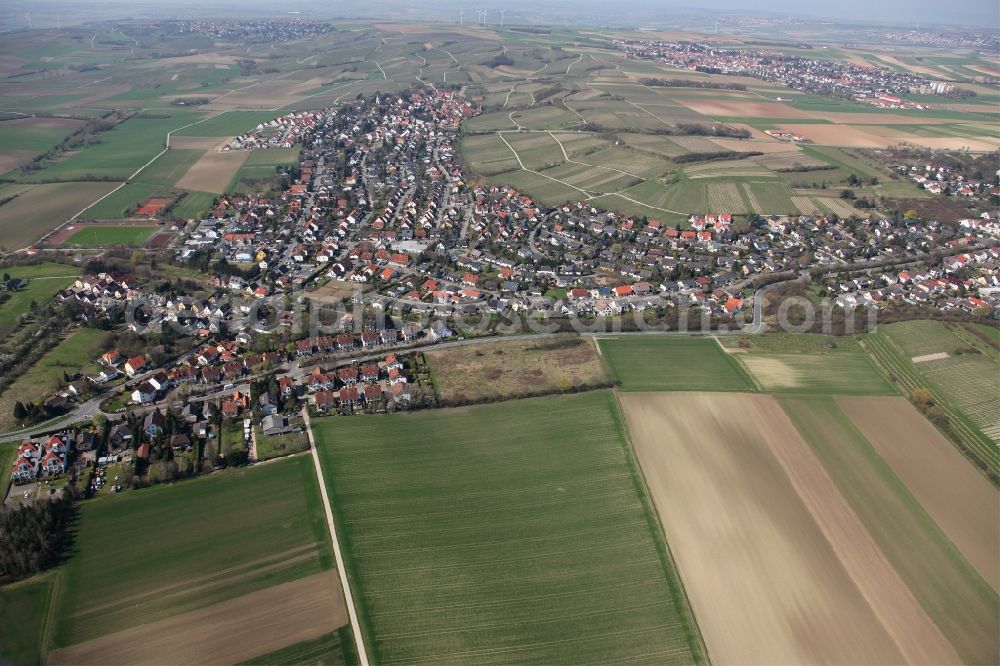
(958, 498)
(197, 142)
(778, 567)
(335, 291)
(524, 367)
(842, 135)
(739, 107)
(225, 633)
(11, 159)
(767, 146)
(271, 94)
(213, 171)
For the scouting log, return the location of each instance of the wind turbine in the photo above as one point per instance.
(501, 17)
(28, 18)
(483, 16)
(461, 16)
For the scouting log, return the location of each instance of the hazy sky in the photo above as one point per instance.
(979, 13)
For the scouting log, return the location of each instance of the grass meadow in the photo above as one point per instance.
(513, 532)
(672, 363)
(45, 280)
(24, 609)
(157, 552)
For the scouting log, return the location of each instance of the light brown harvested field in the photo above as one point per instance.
(959, 499)
(213, 171)
(210, 58)
(516, 368)
(42, 208)
(197, 142)
(717, 107)
(766, 146)
(876, 118)
(982, 144)
(778, 567)
(269, 94)
(841, 135)
(988, 71)
(225, 633)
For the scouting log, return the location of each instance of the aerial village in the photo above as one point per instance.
(380, 216)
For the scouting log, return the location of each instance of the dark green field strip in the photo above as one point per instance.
(514, 532)
(673, 363)
(24, 608)
(333, 649)
(955, 596)
(177, 548)
(897, 366)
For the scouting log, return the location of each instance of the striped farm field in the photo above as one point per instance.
(840, 374)
(517, 532)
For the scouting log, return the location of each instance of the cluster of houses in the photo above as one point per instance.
(259, 30)
(368, 385)
(968, 282)
(865, 83)
(945, 180)
(281, 132)
(41, 458)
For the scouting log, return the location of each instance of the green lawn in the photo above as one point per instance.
(280, 445)
(334, 649)
(955, 596)
(93, 235)
(24, 608)
(840, 374)
(672, 363)
(149, 554)
(517, 532)
(45, 280)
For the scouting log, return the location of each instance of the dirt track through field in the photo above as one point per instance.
(959, 499)
(226, 633)
(778, 566)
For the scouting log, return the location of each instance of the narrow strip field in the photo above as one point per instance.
(960, 500)
(514, 532)
(959, 602)
(771, 578)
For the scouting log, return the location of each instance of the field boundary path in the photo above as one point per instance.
(341, 569)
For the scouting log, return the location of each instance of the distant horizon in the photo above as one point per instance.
(971, 14)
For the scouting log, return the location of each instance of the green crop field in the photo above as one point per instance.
(128, 197)
(90, 236)
(672, 363)
(44, 281)
(193, 205)
(229, 124)
(154, 553)
(334, 649)
(120, 152)
(23, 611)
(955, 596)
(518, 532)
(274, 156)
(918, 338)
(840, 374)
